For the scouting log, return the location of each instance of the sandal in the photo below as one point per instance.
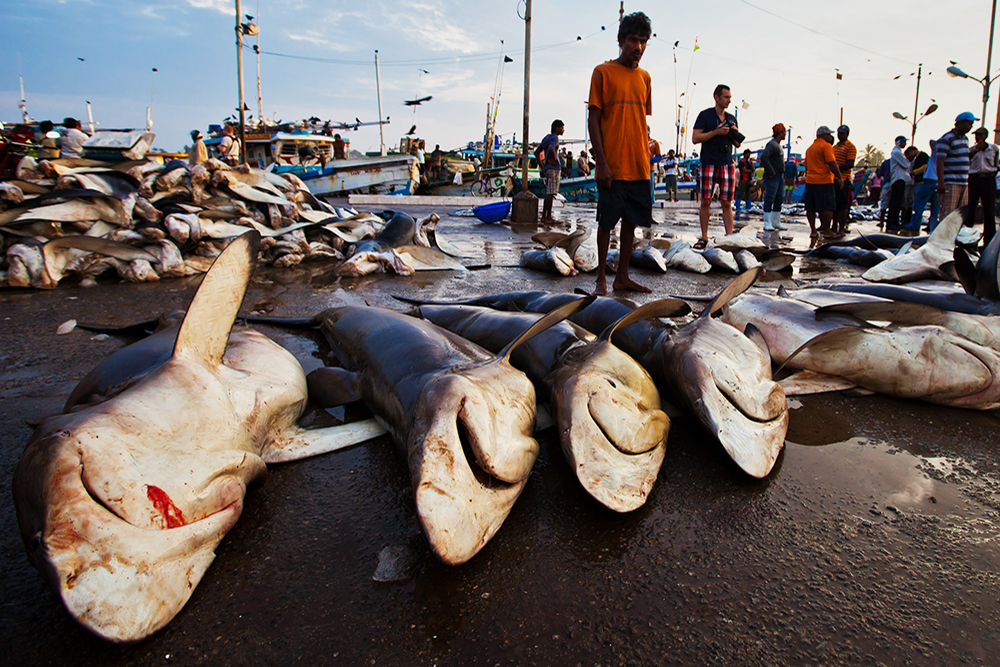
(701, 244)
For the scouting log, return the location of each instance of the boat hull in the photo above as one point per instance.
(391, 174)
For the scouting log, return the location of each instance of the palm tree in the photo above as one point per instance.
(871, 157)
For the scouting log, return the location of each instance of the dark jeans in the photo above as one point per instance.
(773, 194)
(896, 196)
(983, 189)
(925, 193)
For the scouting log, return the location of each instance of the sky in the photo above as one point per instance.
(780, 58)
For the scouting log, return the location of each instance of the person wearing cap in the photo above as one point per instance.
(198, 152)
(983, 183)
(899, 178)
(48, 146)
(846, 153)
(772, 160)
(953, 163)
(822, 179)
(669, 165)
(72, 139)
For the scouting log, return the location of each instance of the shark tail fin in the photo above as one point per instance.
(550, 320)
(205, 330)
(738, 286)
(649, 311)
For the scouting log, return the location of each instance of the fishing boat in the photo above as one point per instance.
(310, 157)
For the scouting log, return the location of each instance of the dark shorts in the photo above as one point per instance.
(819, 197)
(844, 196)
(624, 200)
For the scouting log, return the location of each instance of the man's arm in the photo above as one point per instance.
(836, 173)
(701, 136)
(602, 172)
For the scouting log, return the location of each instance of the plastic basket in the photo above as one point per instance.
(494, 212)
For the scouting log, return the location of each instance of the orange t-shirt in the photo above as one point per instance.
(625, 98)
(818, 159)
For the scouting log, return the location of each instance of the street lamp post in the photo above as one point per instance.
(955, 71)
(913, 123)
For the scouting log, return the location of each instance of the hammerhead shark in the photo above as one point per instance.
(122, 500)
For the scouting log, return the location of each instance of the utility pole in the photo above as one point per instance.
(989, 57)
(239, 71)
(524, 207)
(378, 96)
(916, 98)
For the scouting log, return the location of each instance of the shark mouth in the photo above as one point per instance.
(470, 454)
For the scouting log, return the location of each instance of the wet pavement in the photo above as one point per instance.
(873, 541)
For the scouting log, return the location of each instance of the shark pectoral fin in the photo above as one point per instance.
(550, 320)
(301, 443)
(330, 387)
(649, 311)
(829, 338)
(204, 333)
(757, 338)
(805, 383)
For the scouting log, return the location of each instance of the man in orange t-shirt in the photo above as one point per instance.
(620, 100)
(821, 173)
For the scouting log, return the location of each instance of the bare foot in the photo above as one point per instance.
(602, 287)
(629, 285)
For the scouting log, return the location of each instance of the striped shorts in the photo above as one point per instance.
(552, 182)
(723, 175)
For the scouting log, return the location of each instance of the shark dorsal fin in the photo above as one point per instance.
(205, 330)
(740, 284)
(649, 311)
(550, 320)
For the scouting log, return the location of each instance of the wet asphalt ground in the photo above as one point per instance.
(872, 542)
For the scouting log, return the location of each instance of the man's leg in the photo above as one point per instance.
(626, 242)
(932, 221)
(727, 215)
(975, 196)
(920, 197)
(989, 208)
(547, 208)
(825, 218)
(811, 219)
(603, 243)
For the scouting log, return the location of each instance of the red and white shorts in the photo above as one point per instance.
(723, 175)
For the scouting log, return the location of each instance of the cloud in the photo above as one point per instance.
(223, 6)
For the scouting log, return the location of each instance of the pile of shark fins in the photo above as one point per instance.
(146, 221)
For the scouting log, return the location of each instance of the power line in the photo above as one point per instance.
(822, 34)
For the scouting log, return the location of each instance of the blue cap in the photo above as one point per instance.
(965, 115)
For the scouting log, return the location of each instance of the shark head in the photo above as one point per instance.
(120, 581)
(727, 379)
(470, 454)
(610, 424)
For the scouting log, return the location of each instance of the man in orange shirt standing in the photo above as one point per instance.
(620, 100)
(821, 173)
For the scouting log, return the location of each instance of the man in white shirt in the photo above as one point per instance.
(982, 183)
(71, 141)
(899, 177)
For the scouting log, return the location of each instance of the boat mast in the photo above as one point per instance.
(260, 99)
(378, 94)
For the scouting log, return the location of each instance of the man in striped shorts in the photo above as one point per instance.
(953, 164)
(711, 129)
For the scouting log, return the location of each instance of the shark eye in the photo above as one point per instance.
(36, 541)
(612, 383)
